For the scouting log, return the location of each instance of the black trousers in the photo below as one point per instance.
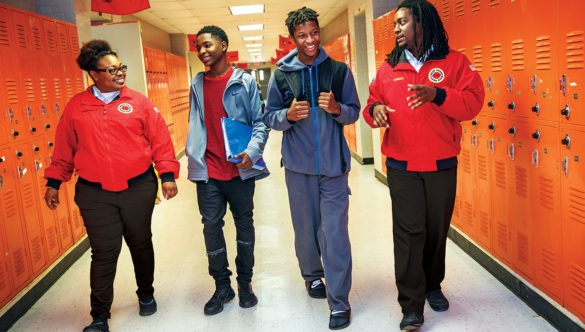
(212, 198)
(109, 217)
(422, 206)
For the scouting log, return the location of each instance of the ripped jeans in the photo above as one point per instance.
(212, 198)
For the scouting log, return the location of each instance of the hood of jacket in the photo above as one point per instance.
(291, 62)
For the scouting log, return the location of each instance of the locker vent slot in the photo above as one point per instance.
(484, 224)
(459, 8)
(445, 10)
(494, 3)
(500, 175)
(577, 205)
(549, 264)
(466, 161)
(521, 182)
(546, 193)
(64, 227)
(477, 58)
(52, 238)
(29, 89)
(11, 90)
(52, 42)
(44, 94)
(21, 36)
(456, 209)
(37, 249)
(496, 57)
(523, 249)
(28, 196)
(482, 170)
(37, 39)
(517, 55)
(575, 50)
(79, 84)
(462, 50)
(475, 5)
(3, 279)
(577, 282)
(68, 88)
(502, 228)
(19, 261)
(468, 212)
(63, 43)
(4, 39)
(10, 205)
(543, 53)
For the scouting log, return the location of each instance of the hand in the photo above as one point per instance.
(328, 103)
(246, 161)
(52, 198)
(298, 110)
(423, 93)
(169, 189)
(380, 114)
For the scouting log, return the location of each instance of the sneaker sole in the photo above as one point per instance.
(228, 299)
(146, 313)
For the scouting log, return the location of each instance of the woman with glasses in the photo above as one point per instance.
(114, 138)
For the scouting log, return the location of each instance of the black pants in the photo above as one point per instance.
(212, 198)
(109, 217)
(422, 206)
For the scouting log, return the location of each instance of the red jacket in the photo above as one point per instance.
(111, 143)
(430, 132)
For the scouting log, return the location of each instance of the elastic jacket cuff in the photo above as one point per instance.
(440, 96)
(372, 109)
(53, 183)
(167, 177)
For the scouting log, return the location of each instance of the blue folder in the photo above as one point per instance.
(236, 136)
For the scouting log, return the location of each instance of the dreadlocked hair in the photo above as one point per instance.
(434, 34)
(215, 32)
(91, 52)
(300, 16)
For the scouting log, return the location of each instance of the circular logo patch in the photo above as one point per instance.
(125, 108)
(436, 75)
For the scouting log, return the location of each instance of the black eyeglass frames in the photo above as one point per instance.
(113, 70)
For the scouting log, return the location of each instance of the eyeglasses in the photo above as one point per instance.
(113, 70)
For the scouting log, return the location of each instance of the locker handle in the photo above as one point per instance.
(1, 181)
(566, 112)
(536, 135)
(28, 112)
(44, 111)
(10, 115)
(21, 172)
(511, 151)
(474, 140)
(563, 84)
(536, 109)
(535, 158)
(565, 166)
(491, 145)
(566, 141)
(38, 165)
(533, 83)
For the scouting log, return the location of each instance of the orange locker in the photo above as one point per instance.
(500, 176)
(465, 178)
(483, 180)
(30, 209)
(6, 286)
(77, 227)
(573, 216)
(546, 201)
(17, 252)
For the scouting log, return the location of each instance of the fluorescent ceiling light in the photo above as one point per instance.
(243, 10)
(253, 45)
(247, 38)
(250, 27)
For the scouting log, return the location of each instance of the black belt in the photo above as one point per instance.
(442, 164)
(131, 181)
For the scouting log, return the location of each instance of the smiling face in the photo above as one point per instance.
(105, 81)
(210, 50)
(408, 31)
(307, 38)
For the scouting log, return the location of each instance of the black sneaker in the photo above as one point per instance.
(247, 297)
(99, 324)
(339, 319)
(316, 289)
(411, 321)
(221, 296)
(147, 306)
(437, 300)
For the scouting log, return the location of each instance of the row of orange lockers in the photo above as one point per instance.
(521, 186)
(39, 73)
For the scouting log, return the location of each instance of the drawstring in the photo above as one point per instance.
(317, 78)
(303, 82)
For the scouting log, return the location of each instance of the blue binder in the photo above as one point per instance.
(236, 136)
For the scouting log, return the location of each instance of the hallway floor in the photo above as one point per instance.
(478, 301)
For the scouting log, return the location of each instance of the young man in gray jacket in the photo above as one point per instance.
(310, 98)
(224, 91)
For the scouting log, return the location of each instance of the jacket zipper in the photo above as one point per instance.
(315, 121)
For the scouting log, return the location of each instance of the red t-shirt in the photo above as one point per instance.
(218, 167)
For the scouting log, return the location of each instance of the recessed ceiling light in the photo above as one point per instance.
(248, 38)
(251, 9)
(253, 45)
(250, 27)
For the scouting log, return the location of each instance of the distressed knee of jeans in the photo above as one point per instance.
(245, 243)
(216, 252)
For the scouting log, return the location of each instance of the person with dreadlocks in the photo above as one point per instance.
(310, 98)
(420, 95)
(224, 91)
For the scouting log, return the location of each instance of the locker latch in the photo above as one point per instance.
(491, 145)
(511, 151)
(565, 166)
(564, 84)
(10, 115)
(535, 158)
(44, 111)
(533, 83)
(489, 82)
(28, 112)
(510, 84)
(21, 171)
(474, 140)
(38, 165)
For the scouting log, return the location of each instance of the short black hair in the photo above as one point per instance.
(216, 32)
(91, 52)
(300, 16)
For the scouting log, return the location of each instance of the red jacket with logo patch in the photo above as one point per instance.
(111, 143)
(423, 135)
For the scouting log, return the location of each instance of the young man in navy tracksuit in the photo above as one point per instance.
(310, 98)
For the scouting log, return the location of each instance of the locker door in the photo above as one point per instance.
(6, 285)
(75, 74)
(53, 64)
(48, 221)
(19, 268)
(483, 181)
(500, 175)
(61, 214)
(545, 199)
(520, 216)
(465, 183)
(572, 62)
(32, 220)
(77, 227)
